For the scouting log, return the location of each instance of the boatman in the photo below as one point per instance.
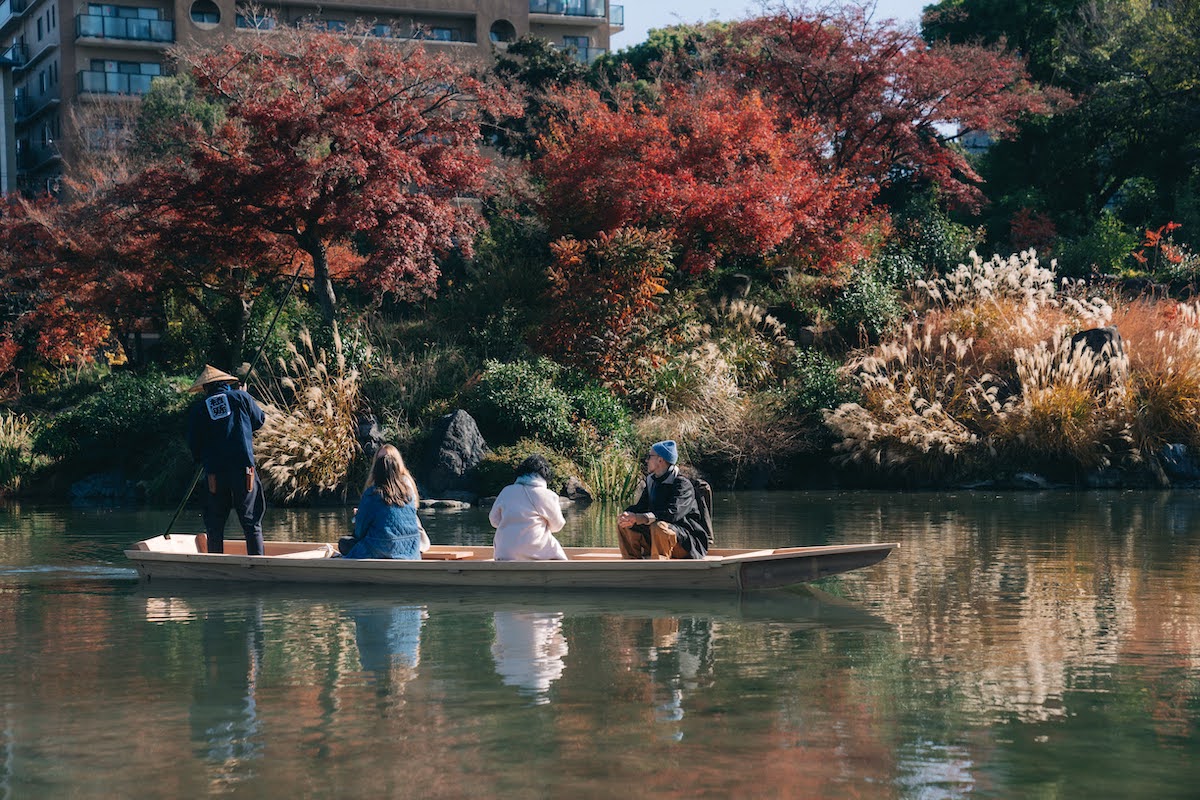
(666, 521)
(220, 436)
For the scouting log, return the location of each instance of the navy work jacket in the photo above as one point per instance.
(221, 428)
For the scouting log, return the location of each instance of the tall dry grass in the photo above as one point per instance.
(308, 443)
(16, 449)
(988, 373)
(1162, 342)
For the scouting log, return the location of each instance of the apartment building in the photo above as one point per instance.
(55, 53)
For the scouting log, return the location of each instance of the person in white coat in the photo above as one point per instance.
(526, 515)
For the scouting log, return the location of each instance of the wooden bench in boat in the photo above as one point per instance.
(446, 555)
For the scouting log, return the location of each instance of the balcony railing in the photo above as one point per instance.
(26, 107)
(18, 54)
(142, 30)
(96, 82)
(570, 8)
(616, 16)
(35, 155)
(10, 9)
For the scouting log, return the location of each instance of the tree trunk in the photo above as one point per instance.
(237, 344)
(322, 283)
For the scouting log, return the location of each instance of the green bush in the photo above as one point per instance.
(598, 408)
(519, 399)
(927, 240)
(498, 467)
(867, 304)
(1104, 249)
(816, 384)
(129, 416)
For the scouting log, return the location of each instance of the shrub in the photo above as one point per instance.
(519, 399)
(927, 240)
(1104, 249)
(817, 383)
(129, 416)
(606, 419)
(866, 305)
(540, 400)
(498, 467)
(603, 291)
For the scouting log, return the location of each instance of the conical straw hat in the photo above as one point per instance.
(211, 375)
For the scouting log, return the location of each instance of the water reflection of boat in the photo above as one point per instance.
(528, 650)
(176, 558)
(798, 608)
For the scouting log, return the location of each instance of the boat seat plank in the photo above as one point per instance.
(602, 556)
(446, 555)
(324, 551)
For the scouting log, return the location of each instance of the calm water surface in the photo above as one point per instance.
(1017, 645)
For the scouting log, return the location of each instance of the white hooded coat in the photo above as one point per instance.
(526, 515)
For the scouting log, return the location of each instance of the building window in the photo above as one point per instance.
(502, 31)
(39, 28)
(205, 14)
(444, 35)
(332, 25)
(124, 12)
(118, 77)
(262, 22)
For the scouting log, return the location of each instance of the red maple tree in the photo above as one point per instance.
(887, 105)
(714, 167)
(605, 291)
(329, 144)
(49, 284)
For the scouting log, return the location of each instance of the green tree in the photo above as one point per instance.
(1133, 66)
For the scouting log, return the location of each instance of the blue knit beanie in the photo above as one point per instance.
(666, 450)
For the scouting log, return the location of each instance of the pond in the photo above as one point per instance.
(1016, 645)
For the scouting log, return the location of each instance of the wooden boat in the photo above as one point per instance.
(176, 558)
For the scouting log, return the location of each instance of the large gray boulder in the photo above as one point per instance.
(455, 448)
(1105, 342)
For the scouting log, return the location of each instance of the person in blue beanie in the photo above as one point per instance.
(220, 435)
(666, 521)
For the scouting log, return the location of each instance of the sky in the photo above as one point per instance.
(642, 15)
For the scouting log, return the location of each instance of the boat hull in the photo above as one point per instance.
(472, 567)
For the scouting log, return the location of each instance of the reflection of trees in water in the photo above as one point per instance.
(1007, 602)
(224, 715)
(324, 525)
(7, 753)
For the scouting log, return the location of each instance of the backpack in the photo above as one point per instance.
(704, 502)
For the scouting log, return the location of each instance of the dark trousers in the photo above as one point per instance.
(232, 495)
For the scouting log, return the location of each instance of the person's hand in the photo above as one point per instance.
(626, 519)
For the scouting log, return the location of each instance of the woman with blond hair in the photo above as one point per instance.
(386, 524)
